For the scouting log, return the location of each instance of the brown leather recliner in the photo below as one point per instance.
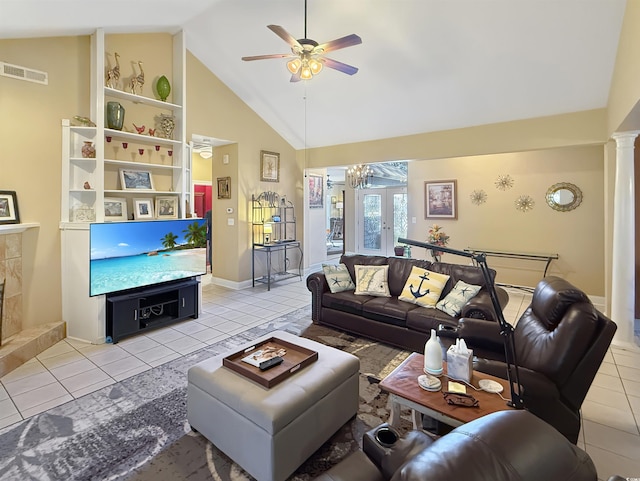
(502, 446)
(560, 342)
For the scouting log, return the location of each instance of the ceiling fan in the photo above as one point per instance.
(307, 55)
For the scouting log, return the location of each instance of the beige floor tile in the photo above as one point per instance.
(190, 328)
(29, 368)
(139, 345)
(58, 348)
(154, 354)
(609, 464)
(607, 381)
(609, 416)
(39, 396)
(185, 345)
(112, 355)
(165, 335)
(62, 359)
(9, 420)
(45, 406)
(83, 379)
(609, 439)
(632, 361)
(629, 373)
(165, 359)
(609, 368)
(121, 366)
(93, 388)
(30, 383)
(632, 388)
(131, 372)
(73, 369)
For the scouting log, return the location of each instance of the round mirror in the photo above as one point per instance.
(564, 196)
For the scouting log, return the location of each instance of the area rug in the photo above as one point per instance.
(137, 429)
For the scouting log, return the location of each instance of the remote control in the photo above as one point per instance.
(274, 361)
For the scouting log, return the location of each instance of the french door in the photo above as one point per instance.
(381, 218)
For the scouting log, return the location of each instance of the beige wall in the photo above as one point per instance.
(213, 110)
(577, 236)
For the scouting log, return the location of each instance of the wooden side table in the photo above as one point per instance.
(402, 385)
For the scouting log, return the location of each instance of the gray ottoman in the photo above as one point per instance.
(270, 432)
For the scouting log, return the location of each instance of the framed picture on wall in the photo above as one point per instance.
(316, 191)
(167, 207)
(224, 187)
(269, 166)
(440, 199)
(9, 207)
(136, 179)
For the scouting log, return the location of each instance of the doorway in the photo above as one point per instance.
(381, 218)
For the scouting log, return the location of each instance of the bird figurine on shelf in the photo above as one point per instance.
(152, 132)
(87, 186)
(140, 129)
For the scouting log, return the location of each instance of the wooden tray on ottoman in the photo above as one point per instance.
(295, 359)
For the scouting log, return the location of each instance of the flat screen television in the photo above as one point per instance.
(129, 255)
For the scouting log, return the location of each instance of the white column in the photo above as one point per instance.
(623, 270)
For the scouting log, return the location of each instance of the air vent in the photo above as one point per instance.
(23, 73)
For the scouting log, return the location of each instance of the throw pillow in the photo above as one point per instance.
(460, 294)
(338, 277)
(372, 280)
(423, 287)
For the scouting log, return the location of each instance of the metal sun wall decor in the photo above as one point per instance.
(478, 197)
(524, 203)
(504, 182)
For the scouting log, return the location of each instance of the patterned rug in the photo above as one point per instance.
(137, 429)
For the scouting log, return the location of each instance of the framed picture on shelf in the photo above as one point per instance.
(136, 179)
(316, 191)
(269, 166)
(9, 207)
(167, 207)
(142, 209)
(224, 187)
(440, 199)
(115, 209)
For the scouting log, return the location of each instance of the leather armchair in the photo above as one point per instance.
(502, 446)
(560, 342)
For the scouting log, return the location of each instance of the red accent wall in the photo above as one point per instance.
(203, 200)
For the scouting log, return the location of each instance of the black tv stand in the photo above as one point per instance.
(151, 307)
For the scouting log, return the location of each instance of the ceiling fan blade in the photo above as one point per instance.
(284, 35)
(338, 43)
(275, 55)
(295, 77)
(342, 67)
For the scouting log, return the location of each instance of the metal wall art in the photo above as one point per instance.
(525, 203)
(504, 182)
(478, 197)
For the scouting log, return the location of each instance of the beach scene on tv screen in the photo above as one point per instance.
(125, 255)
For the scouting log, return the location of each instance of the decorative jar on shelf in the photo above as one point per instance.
(115, 115)
(88, 150)
(163, 87)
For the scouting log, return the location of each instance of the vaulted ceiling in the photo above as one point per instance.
(424, 65)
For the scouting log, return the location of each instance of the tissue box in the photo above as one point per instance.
(460, 365)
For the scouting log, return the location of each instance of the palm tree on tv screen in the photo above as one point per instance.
(196, 235)
(169, 240)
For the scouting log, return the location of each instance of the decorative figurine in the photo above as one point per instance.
(137, 81)
(87, 186)
(167, 124)
(163, 87)
(84, 121)
(152, 132)
(113, 75)
(140, 130)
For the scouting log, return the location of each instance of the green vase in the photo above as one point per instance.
(115, 115)
(163, 87)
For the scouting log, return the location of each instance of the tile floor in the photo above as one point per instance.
(70, 369)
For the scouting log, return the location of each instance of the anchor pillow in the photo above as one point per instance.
(423, 287)
(454, 301)
(338, 277)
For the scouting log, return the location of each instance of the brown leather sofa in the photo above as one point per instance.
(503, 446)
(560, 342)
(388, 319)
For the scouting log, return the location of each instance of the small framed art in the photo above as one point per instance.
(9, 207)
(269, 166)
(136, 179)
(440, 199)
(167, 207)
(316, 191)
(115, 209)
(142, 209)
(224, 187)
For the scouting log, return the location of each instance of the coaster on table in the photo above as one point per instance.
(429, 383)
(490, 386)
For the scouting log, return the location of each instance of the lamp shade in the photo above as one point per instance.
(268, 229)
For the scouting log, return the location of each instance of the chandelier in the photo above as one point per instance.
(358, 176)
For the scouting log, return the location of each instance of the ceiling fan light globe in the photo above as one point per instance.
(294, 65)
(315, 66)
(306, 73)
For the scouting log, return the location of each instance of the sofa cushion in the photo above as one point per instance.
(399, 270)
(345, 301)
(387, 309)
(460, 294)
(458, 272)
(423, 287)
(372, 280)
(423, 319)
(338, 277)
(552, 298)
